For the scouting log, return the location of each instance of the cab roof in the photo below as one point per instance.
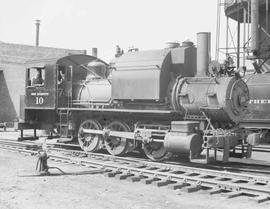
(78, 59)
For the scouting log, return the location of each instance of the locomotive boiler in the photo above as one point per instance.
(154, 101)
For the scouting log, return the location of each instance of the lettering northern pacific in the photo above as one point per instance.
(259, 101)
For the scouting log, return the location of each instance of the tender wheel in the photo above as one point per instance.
(117, 145)
(156, 151)
(89, 142)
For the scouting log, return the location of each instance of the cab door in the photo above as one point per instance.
(64, 87)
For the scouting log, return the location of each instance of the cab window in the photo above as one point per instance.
(64, 74)
(35, 76)
(61, 74)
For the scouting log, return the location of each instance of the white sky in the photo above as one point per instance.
(83, 24)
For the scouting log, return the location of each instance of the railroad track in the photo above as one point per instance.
(259, 148)
(262, 148)
(177, 177)
(75, 150)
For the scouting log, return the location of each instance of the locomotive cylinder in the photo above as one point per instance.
(184, 143)
(222, 99)
(184, 138)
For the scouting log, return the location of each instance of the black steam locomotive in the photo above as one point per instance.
(150, 100)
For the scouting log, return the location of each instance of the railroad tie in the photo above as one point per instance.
(163, 170)
(137, 165)
(233, 194)
(112, 173)
(151, 168)
(163, 182)
(136, 178)
(178, 185)
(191, 188)
(262, 198)
(124, 175)
(149, 180)
(228, 187)
(215, 191)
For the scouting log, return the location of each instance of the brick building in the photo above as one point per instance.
(12, 74)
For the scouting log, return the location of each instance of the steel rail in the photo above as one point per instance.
(257, 149)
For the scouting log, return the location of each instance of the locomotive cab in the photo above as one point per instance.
(40, 100)
(50, 85)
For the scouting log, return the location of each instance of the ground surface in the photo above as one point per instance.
(20, 190)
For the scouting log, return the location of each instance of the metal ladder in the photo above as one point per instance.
(63, 122)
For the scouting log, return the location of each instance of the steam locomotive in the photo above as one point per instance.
(158, 101)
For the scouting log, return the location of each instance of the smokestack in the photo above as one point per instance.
(254, 26)
(203, 53)
(37, 32)
(94, 52)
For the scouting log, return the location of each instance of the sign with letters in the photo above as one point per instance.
(39, 97)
